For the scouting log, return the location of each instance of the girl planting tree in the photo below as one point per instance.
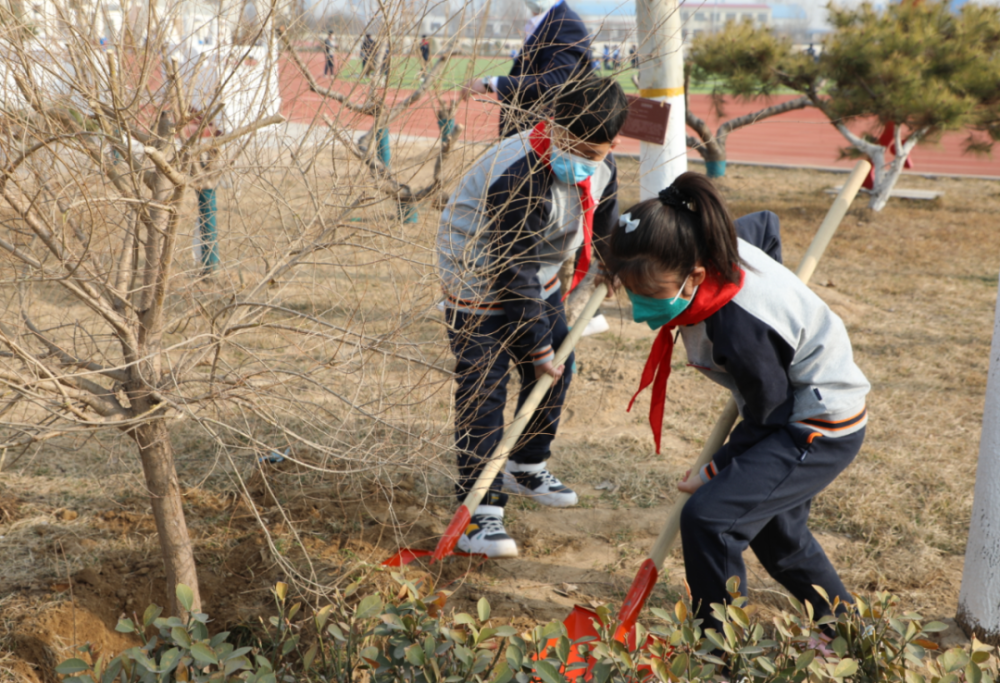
(752, 326)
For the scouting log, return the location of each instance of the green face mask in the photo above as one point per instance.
(658, 312)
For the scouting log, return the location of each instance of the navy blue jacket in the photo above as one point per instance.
(552, 54)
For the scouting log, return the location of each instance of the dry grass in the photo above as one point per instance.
(916, 285)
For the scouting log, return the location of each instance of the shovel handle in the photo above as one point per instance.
(730, 413)
(542, 385)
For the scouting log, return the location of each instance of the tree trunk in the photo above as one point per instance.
(886, 175)
(165, 495)
(979, 600)
(711, 148)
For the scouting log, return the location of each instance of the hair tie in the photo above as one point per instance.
(671, 196)
(628, 222)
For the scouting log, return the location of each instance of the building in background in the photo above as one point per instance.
(612, 22)
(699, 18)
(792, 21)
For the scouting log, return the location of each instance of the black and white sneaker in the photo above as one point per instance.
(537, 483)
(485, 534)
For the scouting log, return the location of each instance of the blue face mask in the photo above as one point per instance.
(570, 168)
(658, 312)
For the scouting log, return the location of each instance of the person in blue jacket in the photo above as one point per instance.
(555, 50)
(749, 324)
(528, 204)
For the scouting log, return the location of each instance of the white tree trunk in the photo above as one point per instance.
(979, 599)
(886, 175)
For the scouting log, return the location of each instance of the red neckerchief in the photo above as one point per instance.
(541, 141)
(713, 294)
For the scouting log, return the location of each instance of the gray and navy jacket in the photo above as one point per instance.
(507, 230)
(778, 347)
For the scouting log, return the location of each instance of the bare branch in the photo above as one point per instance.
(172, 174)
(214, 142)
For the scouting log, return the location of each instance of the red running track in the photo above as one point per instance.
(799, 138)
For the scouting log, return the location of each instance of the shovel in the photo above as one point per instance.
(580, 622)
(496, 462)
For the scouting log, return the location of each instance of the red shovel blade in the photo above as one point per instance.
(642, 586)
(580, 623)
(404, 557)
(444, 547)
(451, 535)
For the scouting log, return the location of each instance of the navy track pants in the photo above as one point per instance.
(761, 498)
(487, 349)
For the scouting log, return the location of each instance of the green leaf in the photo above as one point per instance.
(766, 664)
(839, 645)
(547, 672)
(660, 669)
(662, 614)
(935, 627)
(483, 607)
(236, 664)
(125, 626)
(562, 649)
(185, 596)
(335, 631)
(415, 654)
(151, 614)
(913, 677)
(370, 606)
(506, 631)
(680, 664)
(846, 667)
(515, 657)
(169, 659)
(502, 674)
(289, 645)
(804, 659)
(953, 660)
(713, 636)
(973, 674)
(180, 636)
(463, 618)
(203, 654)
(730, 632)
(72, 666)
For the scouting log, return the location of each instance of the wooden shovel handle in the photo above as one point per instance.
(729, 414)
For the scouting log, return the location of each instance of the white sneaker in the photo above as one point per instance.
(537, 483)
(485, 534)
(596, 325)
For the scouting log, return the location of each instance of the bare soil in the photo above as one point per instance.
(916, 285)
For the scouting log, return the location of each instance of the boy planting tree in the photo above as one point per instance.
(528, 204)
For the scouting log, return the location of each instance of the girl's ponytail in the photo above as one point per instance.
(689, 223)
(695, 193)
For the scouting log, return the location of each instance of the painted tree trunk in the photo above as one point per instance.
(886, 175)
(712, 146)
(979, 599)
(164, 489)
(207, 231)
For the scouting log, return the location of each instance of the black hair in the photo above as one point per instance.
(687, 225)
(593, 109)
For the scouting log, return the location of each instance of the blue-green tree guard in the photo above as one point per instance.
(407, 212)
(207, 231)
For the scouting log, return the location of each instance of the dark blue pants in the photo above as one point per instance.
(488, 349)
(761, 498)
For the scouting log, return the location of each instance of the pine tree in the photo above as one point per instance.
(749, 63)
(917, 68)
